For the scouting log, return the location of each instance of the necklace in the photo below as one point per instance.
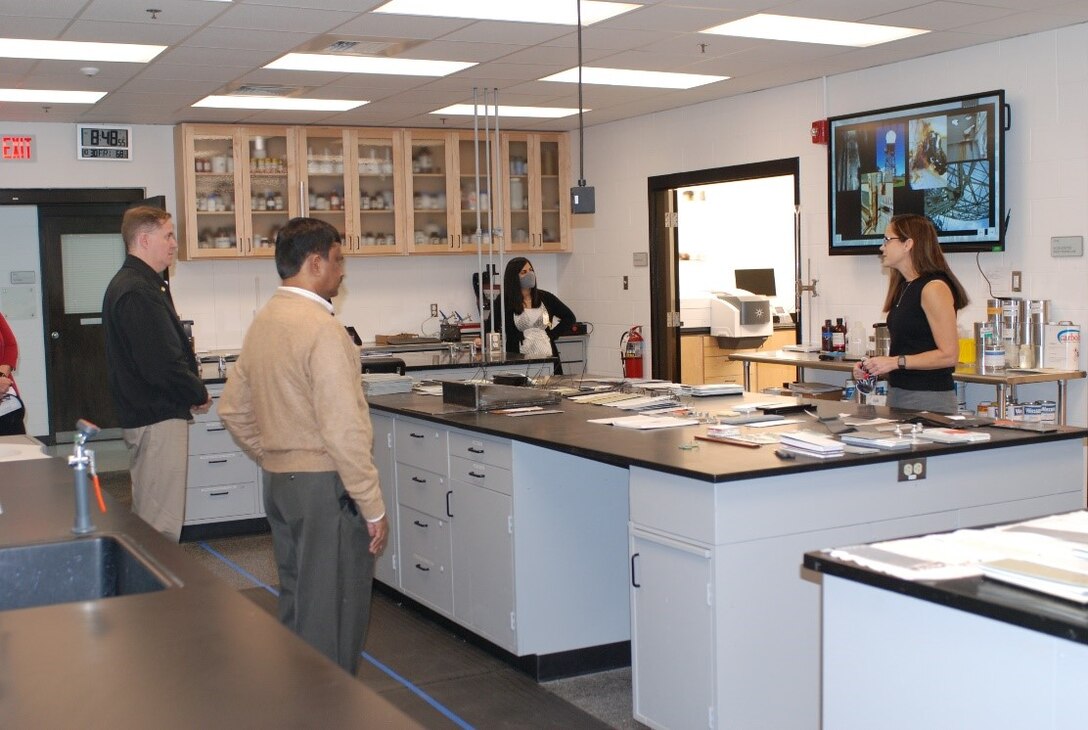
(903, 293)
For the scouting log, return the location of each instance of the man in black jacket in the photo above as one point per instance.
(153, 373)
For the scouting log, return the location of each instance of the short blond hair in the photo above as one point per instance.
(141, 219)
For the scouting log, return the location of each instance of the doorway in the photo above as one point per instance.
(733, 234)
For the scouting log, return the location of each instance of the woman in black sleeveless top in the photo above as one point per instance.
(923, 298)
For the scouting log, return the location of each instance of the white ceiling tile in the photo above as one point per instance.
(401, 26)
(459, 51)
(185, 12)
(671, 18)
(37, 28)
(488, 31)
(265, 17)
(943, 16)
(268, 42)
(95, 30)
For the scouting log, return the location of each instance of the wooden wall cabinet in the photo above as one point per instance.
(388, 191)
(234, 188)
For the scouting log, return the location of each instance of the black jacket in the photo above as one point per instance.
(556, 309)
(152, 371)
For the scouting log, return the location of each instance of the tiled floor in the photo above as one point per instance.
(409, 656)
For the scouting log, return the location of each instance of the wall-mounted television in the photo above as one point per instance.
(944, 159)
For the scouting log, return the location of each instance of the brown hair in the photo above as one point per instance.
(925, 256)
(138, 220)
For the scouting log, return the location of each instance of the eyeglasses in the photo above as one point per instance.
(893, 238)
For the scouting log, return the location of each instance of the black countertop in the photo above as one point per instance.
(991, 599)
(196, 656)
(659, 449)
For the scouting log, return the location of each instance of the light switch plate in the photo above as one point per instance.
(1066, 246)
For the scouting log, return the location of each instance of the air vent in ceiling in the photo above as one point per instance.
(265, 90)
(358, 46)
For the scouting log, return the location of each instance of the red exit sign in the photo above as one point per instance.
(17, 147)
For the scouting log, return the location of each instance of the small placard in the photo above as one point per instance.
(1066, 246)
(23, 277)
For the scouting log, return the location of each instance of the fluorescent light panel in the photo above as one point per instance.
(536, 112)
(367, 65)
(519, 11)
(78, 51)
(51, 96)
(632, 77)
(813, 30)
(280, 103)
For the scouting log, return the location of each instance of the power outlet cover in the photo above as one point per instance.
(912, 469)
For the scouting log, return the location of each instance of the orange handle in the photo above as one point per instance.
(98, 494)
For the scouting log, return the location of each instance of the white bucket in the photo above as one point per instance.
(1061, 346)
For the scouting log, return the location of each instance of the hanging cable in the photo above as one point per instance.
(581, 127)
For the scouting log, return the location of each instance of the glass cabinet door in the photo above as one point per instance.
(475, 193)
(214, 223)
(268, 194)
(380, 192)
(553, 197)
(519, 223)
(326, 159)
(429, 223)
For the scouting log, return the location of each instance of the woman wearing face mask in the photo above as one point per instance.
(534, 317)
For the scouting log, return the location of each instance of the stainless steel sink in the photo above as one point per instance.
(81, 569)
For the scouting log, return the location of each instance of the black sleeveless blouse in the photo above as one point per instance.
(910, 335)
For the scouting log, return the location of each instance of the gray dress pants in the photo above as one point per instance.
(325, 567)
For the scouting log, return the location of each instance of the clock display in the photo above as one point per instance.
(103, 142)
(103, 137)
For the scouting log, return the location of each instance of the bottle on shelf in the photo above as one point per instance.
(825, 336)
(838, 336)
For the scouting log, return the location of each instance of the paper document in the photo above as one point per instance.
(645, 422)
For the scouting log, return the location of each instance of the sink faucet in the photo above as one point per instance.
(82, 460)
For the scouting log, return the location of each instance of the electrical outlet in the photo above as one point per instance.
(1016, 281)
(912, 469)
(434, 310)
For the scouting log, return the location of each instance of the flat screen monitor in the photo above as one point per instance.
(943, 159)
(757, 281)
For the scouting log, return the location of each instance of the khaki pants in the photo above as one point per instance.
(159, 457)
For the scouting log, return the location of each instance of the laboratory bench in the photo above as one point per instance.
(558, 540)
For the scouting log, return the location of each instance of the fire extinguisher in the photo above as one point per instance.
(631, 352)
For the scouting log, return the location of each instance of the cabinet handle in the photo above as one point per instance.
(420, 524)
(218, 494)
(633, 583)
(474, 450)
(423, 568)
(448, 513)
(478, 476)
(213, 429)
(217, 461)
(417, 480)
(417, 435)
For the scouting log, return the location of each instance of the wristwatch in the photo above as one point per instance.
(902, 362)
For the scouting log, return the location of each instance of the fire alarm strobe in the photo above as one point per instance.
(819, 131)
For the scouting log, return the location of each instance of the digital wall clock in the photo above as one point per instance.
(103, 142)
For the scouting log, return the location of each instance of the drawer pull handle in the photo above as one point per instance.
(213, 428)
(448, 494)
(420, 524)
(217, 461)
(474, 450)
(424, 568)
(417, 480)
(218, 494)
(633, 583)
(417, 435)
(478, 476)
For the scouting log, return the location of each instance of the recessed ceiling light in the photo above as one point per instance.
(813, 30)
(521, 11)
(633, 77)
(78, 50)
(367, 65)
(51, 96)
(536, 112)
(278, 103)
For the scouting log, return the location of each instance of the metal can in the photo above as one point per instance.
(983, 408)
(1014, 411)
(1033, 412)
(1049, 411)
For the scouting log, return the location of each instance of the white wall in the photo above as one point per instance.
(1045, 76)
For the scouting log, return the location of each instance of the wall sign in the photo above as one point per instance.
(17, 147)
(103, 142)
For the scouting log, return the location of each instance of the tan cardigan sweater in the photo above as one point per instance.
(294, 400)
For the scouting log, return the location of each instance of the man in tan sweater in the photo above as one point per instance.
(294, 402)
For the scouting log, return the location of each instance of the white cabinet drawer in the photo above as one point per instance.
(210, 437)
(481, 475)
(213, 414)
(496, 452)
(211, 504)
(211, 469)
(425, 568)
(422, 445)
(422, 490)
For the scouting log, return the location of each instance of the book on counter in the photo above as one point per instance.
(876, 440)
(811, 443)
(1063, 582)
(953, 435)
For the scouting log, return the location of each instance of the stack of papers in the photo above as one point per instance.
(643, 423)
(723, 431)
(703, 391)
(811, 443)
(876, 440)
(386, 383)
(953, 435)
(1069, 580)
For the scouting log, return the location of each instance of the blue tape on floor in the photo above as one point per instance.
(411, 687)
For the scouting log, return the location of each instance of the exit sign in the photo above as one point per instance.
(17, 147)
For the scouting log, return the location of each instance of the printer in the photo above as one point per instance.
(740, 320)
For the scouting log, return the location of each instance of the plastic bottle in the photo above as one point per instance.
(825, 336)
(838, 336)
